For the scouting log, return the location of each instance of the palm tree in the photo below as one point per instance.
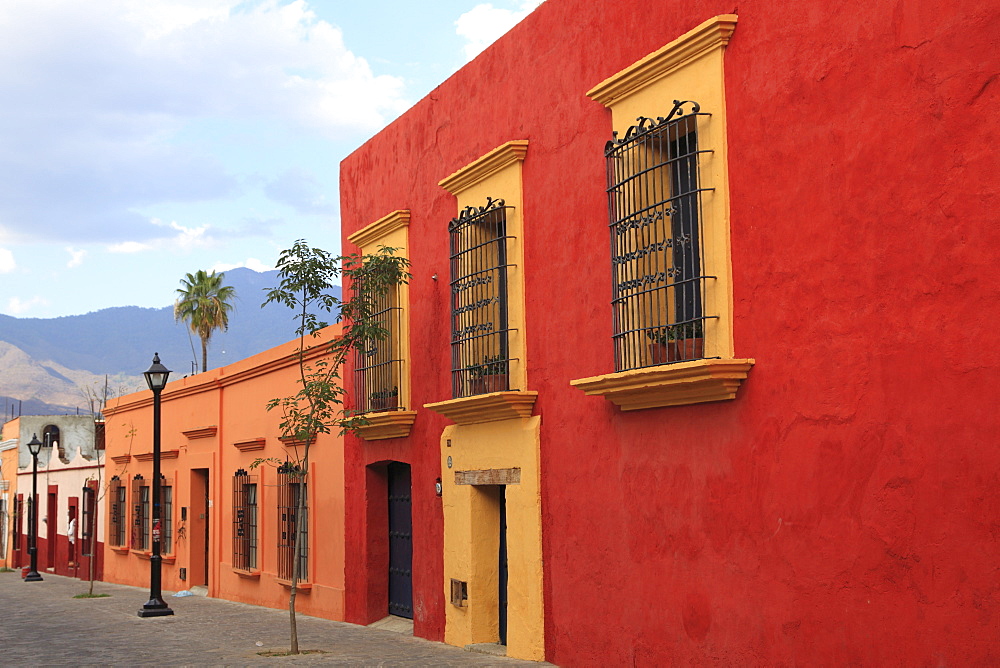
(204, 303)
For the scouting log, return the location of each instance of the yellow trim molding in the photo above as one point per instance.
(390, 424)
(381, 228)
(486, 407)
(670, 384)
(711, 34)
(486, 166)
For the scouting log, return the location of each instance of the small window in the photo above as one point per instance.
(292, 484)
(166, 516)
(377, 369)
(116, 507)
(654, 202)
(480, 343)
(140, 513)
(244, 521)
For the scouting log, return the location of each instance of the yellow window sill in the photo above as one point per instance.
(387, 424)
(119, 549)
(486, 407)
(677, 384)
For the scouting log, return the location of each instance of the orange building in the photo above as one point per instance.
(227, 527)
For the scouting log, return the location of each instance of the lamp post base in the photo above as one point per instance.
(33, 576)
(155, 608)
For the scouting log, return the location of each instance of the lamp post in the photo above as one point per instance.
(156, 378)
(34, 447)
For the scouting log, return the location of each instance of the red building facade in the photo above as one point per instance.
(814, 477)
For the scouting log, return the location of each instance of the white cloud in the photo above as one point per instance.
(106, 104)
(249, 263)
(75, 257)
(484, 24)
(15, 306)
(7, 263)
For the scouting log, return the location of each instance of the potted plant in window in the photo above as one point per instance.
(384, 400)
(491, 375)
(676, 343)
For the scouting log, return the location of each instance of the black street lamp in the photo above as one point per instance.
(34, 447)
(156, 378)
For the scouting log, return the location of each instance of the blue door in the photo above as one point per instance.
(400, 542)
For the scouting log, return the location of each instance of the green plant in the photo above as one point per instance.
(687, 330)
(490, 366)
(307, 277)
(204, 303)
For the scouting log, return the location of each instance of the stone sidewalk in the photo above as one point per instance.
(42, 624)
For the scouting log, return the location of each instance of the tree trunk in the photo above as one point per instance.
(204, 354)
(300, 505)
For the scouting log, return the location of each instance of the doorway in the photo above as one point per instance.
(502, 566)
(200, 528)
(52, 523)
(400, 541)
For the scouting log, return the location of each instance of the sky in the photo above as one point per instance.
(141, 140)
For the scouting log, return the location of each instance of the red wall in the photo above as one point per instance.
(843, 509)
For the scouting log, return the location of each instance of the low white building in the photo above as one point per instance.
(70, 488)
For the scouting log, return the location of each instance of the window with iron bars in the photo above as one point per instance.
(166, 516)
(292, 483)
(654, 203)
(89, 523)
(140, 513)
(377, 368)
(117, 509)
(480, 328)
(244, 521)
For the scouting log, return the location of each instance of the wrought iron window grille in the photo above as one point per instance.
(655, 212)
(378, 368)
(116, 494)
(166, 515)
(290, 486)
(140, 513)
(480, 325)
(244, 521)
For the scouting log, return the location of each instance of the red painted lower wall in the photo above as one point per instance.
(78, 568)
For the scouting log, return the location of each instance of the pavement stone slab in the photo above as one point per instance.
(41, 624)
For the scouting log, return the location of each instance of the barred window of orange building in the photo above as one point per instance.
(244, 521)
(292, 484)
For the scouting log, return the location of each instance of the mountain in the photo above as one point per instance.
(47, 360)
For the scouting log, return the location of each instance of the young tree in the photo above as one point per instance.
(306, 282)
(204, 303)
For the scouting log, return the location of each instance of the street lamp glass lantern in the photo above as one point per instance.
(156, 375)
(34, 445)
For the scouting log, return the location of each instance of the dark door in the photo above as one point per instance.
(400, 542)
(51, 529)
(503, 566)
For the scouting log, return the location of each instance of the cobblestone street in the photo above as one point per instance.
(42, 624)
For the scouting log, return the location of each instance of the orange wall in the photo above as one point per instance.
(218, 409)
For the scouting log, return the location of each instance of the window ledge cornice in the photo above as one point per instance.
(486, 407)
(711, 34)
(381, 228)
(250, 575)
(678, 384)
(387, 424)
(489, 164)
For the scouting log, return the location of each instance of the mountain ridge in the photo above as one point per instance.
(119, 342)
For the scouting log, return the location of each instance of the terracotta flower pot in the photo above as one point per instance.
(494, 382)
(677, 350)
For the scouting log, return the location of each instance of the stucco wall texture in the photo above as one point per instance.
(843, 509)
